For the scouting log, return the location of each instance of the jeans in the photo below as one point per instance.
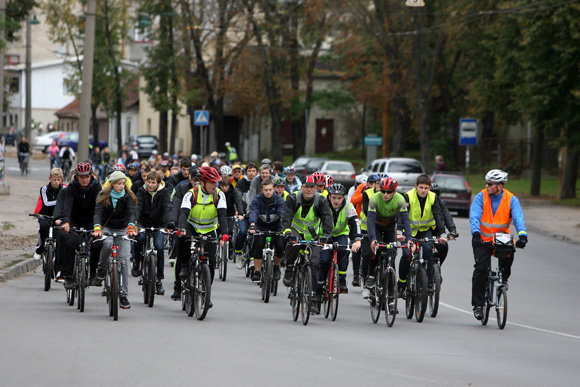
(241, 238)
(123, 252)
(158, 243)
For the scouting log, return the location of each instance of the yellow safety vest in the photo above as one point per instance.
(203, 214)
(363, 217)
(418, 222)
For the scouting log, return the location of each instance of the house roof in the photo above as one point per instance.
(73, 111)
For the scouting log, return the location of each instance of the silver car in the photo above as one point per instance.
(404, 170)
(342, 172)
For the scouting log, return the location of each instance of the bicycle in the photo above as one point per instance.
(223, 256)
(267, 283)
(23, 157)
(66, 166)
(113, 276)
(416, 294)
(496, 296)
(81, 269)
(149, 265)
(383, 295)
(48, 255)
(331, 287)
(300, 292)
(196, 287)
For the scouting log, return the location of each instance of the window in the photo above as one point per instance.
(14, 85)
(405, 167)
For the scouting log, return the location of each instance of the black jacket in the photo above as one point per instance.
(178, 193)
(153, 211)
(267, 213)
(59, 206)
(234, 201)
(118, 217)
(172, 181)
(79, 204)
(449, 223)
(243, 187)
(322, 211)
(47, 199)
(136, 185)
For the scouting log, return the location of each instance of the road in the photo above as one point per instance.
(245, 342)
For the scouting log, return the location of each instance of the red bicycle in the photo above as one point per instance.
(331, 289)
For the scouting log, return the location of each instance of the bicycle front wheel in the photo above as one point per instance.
(434, 297)
(266, 282)
(390, 296)
(202, 292)
(295, 296)
(421, 294)
(82, 283)
(150, 278)
(305, 293)
(223, 261)
(188, 293)
(334, 293)
(115, 290)
(501, 307)
(48, 266)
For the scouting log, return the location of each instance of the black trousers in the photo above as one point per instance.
(184, 252)
(72, 242)
(441, 253)
(292, 251)
(260, 241)
(405, 262)
(482, 256)
(43, 226)
(370, 264)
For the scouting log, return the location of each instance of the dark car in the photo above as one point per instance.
(144, 144)
(455, 191)
(306, 165)
(342, 172)
(72, 139)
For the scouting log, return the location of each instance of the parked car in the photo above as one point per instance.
(306, 165)
(43, 142)
(404, 170)
(144, 144)
(455, 191)
(72, 139)
(342, 172)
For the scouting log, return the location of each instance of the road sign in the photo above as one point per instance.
(373, 141)
(201, 118)
(468, 131)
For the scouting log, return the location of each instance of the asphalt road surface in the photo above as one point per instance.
(245, 342)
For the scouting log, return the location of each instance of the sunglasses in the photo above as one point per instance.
(386, 192)
(489, 184)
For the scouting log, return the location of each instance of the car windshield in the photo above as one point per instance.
(450, 182)
(300, 162)
(405, 167)
(146, 139)
(339, 167)
(314, 164)
(73, 136)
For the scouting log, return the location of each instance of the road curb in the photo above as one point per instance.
(564, 238)
(19, 269)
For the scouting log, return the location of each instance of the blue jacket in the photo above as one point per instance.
(267, 213)
(477, 211)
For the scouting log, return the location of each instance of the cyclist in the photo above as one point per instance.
(373, 182)
(153, 207)
(492, 211)
(182, 175)
(345, 225)
(203, 211)
(53, 151)
(144, 170)
(443, 248)
(66, 155)
(256, 186)
(233, 201)
(358, 181)
(226, 173)
(121, 168)
(265, 215)
(45, 206)
(24, 150)
(115, 213)
(133, 172)
(232, 154)
(384, 207)
(426, 219)
(243, 187)
(80, 199)
(293, 183)
(320, 179)
(237, 173)
(279, 187)
(278, 169)
(304, 211)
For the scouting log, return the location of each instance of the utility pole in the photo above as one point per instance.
(2, 41)
(27, 107)
(87, 87)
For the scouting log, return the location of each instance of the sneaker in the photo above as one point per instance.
(140, 281)
(430, 289)
(176, 296)
(256, 276)
(159, 288)
(171, 262)
(342, 285)
(400, 290)
(101, 274)
(478, 312)
(125, 304)
(240, 261)
(277, 273)
(356, 281)
(135, 271)
(288, 274)
(37, 257)
(370, 282)
(59, 277)
(94, 281)
(366, 293)
(68, 283)
(251, 264)
(184, 272)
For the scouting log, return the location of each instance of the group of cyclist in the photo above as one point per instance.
(205, 197)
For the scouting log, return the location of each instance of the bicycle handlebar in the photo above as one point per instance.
(40, 216)
(114, 235)
(153, 229)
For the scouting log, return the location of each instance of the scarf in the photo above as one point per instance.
(116, 196)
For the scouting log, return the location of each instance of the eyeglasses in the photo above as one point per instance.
(488, 184)
(386, 192)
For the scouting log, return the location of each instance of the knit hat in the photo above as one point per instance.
(117, 175)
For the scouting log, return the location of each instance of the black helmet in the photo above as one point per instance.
(337, 189)
(435, 189)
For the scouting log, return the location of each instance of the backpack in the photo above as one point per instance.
(194, 197)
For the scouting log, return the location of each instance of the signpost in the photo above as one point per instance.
(201, 119)
(468, 129)
(372, 142)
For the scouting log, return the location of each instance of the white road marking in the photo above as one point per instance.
(516, 324)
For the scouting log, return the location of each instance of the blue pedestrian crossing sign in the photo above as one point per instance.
(201, 118)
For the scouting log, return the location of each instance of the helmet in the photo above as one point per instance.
(165, 155)
(435, 188)
(84, 169)
(133, 166)
(373, 178)
(337, 189)
(319, 178)
(226, 170)
(389, 184)
(310, 181)
(359, 179)
(194, 172)
(290, 170)
(227, 143)
(209, 174)
(266, 161)
(329, 180)
(119, 167)
(165, 163)
(278, 181)
(496, 176)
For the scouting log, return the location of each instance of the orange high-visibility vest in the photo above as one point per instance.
(500, 222)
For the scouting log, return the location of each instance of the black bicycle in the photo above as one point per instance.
(24, 159)
(81, 269)
(383, 295)
(196, 287)
(300, 292)
(416, 293)
(267, 283)
(66, 166)
(149, 265)
(48, 255)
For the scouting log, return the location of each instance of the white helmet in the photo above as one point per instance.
(496, 176)
(359, 179)
(226, 170)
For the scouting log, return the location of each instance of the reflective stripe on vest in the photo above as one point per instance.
(341, 226)
(273, 218)
(203, 215)
(500, 222)
(418, 222)
(303, 224)
(363, 217)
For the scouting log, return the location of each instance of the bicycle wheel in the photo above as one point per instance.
(115, 290)
(390, 296)
(305, 293)
(266, 282)
(144, 280)
(151, 277)
(70, 296)
(434, 297)
(294, 296)
(82, 284)
(421, 294)
(188, 292)
(334, 293)
(501, 307)
(223, 261)
(202, 293)
(48, 267)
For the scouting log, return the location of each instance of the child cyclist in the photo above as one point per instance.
(115, 213)
(45, 206)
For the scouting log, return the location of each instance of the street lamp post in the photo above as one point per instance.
(27, 111)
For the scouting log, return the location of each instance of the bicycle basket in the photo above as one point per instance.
(503, 246)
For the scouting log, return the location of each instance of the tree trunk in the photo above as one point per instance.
(194, 132)
(174, 122)
(537, 161)
(95, 124)
(568, 190)
(163, 125)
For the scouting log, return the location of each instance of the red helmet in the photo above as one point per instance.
(319, 178)
(209, 174)
(329, 181)
(309, 182)
(119, 167)
(388, 184)
(84, 169)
